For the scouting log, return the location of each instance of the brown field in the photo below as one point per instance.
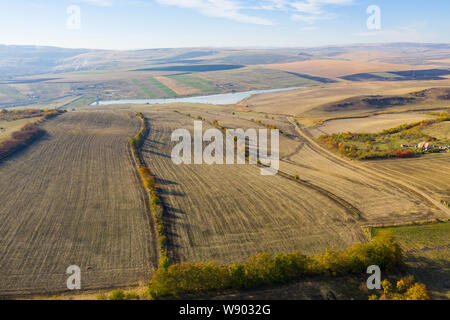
(74, 198)
(372, 124)
(227, 213)
(339, 68)
(429, 173)
(305, 102)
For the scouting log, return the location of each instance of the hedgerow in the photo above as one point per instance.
(28, 133)
(149, 182)
(266, 269)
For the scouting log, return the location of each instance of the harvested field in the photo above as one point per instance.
(372, 124)
(429, 173)
(305, 102)
(338, 68)
(74, 198)
(378, 200)
(230, 212)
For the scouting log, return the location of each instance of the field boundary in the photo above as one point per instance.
(353, 165)
(367, 230)
(148, 181)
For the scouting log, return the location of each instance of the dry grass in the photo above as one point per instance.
(372, 124)
(302, 102)
(339, 68)
(74, 198)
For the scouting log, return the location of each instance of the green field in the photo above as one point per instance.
(196, 83)
(144, 89)
(427, 249)
(167, 91)
(419, 236)
(386, 75)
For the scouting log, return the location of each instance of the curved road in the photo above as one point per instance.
(367, 170)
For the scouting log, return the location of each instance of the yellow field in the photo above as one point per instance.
(371, 124)
(339, 68)
(302, 102)
(426, 173)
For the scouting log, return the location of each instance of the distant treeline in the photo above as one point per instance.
(11, 115)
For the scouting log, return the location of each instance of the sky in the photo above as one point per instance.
(145, 24)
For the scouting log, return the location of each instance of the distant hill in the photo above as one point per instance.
(18, 61)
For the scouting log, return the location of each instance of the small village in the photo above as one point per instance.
(427, 146)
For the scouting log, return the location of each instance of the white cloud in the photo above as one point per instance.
(218, 8)
(309, 11)
(99, 3)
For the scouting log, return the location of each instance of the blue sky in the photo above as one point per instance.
(139, 24)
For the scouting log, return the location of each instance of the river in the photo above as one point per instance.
(224, 98)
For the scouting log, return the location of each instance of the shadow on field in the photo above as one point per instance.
(155, 153)
(172, 210)
(431, 271)
(162, 182)
(163, 192)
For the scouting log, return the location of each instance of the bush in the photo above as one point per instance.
(154, 201)
(117, 295)
(406, 289)
(121, 295)
(20, 139)
(147, 178)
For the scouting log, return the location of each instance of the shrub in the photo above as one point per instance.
(147, 178)
(121, 295)
(20, 139)
(154, 201)
(117, 295)
(417, 292)
(406, 289)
